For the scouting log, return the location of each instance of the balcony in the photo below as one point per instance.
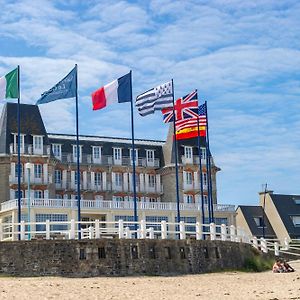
(194, 161)
(29, 150)
(111, 205)
(42, 180)
(107, 160)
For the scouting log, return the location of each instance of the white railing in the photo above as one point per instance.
(118, 229)
(104, 204)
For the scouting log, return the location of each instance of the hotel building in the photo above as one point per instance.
(105, 175)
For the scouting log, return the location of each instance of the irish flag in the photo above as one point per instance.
(9, 85)
(118, 91)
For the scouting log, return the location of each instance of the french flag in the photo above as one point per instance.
(118, 91)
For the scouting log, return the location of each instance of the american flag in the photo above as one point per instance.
(193, 122)
(185, 108)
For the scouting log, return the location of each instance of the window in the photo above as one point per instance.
(37, 142)
(136, 154)
(189, 177)
(117, 152)
(58, 196)
(126, 219)
(16, 194)
(17, 169)
(296, 200)
(51, 218)
(98, 179)
(75, 153)
(38, 194)
(151, 180)
(150, 156)
(56, 148)
(188, 152)
(155, 220)
(119, 177)
(22, 148)
(189, 198)
(203, 153)
(188, 220)
(296, 220)
(38, 171)
(259, 221)
(118, 198)
(57, 176)
(97, 153)
(76, 177)
(205, 199)
(204, 178)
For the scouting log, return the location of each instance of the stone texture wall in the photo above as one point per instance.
(105, 257)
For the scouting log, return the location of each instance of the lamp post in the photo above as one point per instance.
(28, 167)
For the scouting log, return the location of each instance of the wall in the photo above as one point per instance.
(4, 176)
(121, 257)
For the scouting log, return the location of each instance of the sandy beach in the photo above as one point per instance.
(226, 285)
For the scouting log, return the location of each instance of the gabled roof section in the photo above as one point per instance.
(31, 124)
(286, 207)
(250, 212)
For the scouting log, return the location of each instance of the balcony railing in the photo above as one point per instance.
(194, 161)
(28, 149)
(109, 205)
(108, 160)
(42, 180)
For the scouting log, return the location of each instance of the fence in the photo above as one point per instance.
(142, 230)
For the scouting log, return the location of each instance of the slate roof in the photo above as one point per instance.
(250, 212)
(286, 207)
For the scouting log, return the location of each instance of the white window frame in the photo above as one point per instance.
(117, 155)
(37, 143)
(38, 194)
(118, 179)
(56, 176)
(188, 154)
(203, 153)
(97, 154)
(150, 157)
(136, 155)
(151, 181)
(38, 171)
(189, 198)
(75, 153)
(296, 220)
(98, 179)
(22, 145)
(189, 178)
(56, 147)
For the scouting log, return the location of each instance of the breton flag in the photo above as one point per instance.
(66, 88)
(155, 99)
(9, 85)
(118, 91)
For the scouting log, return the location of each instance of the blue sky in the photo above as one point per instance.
(242, 56)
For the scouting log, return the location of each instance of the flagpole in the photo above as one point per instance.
(19, 153)
(133, 158)
(208, 162)
(176, 159)
(200, 173)
(78, 153)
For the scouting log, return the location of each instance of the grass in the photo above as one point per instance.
(258, 264)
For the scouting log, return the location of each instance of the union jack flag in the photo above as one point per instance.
(185, 108)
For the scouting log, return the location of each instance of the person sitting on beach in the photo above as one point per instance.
(287, 267)
(278, 267)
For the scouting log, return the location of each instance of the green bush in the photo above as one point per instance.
(258, 264)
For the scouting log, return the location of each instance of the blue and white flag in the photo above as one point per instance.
(155, 99)
(64, 89)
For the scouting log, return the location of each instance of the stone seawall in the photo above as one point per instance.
(105, 257)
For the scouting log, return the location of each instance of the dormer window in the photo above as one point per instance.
(56, 148)
(22, 147)
(75, 153)
(117, 154)
(296, 200)
(150, 157)
(259, 221)
(37, 144)
(96, 151)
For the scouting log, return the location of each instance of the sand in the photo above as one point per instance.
(226, 285)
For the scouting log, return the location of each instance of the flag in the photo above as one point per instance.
(185, 108)
(9, 85)
(188, 128)
(66, 88)
(155, 99)
(118, 91)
